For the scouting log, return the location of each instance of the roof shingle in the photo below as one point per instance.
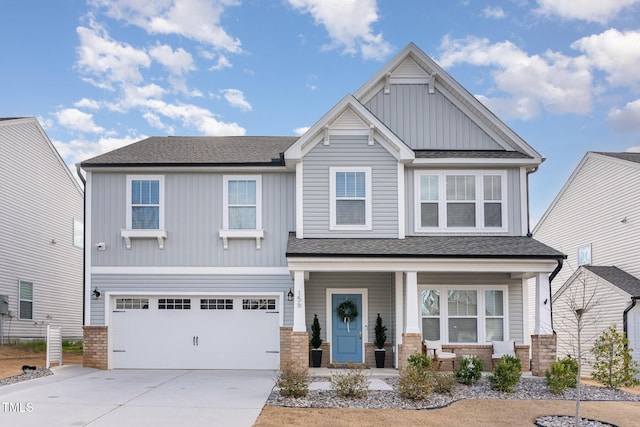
(617, 277)
(424, 247)
(198, 151)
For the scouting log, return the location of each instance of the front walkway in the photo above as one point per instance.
(87, 397)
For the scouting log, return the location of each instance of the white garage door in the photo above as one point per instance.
(186, 332)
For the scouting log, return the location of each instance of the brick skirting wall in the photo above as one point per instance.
(484, 352)
(294, 348)
(411, 344)
(543, 353)
(96, 344)
(370, 357)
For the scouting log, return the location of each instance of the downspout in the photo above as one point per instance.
(84, 234)
(552, 276)
(529, 234)
(626, 312)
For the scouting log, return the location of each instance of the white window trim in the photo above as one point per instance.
(33, 287)
(442, 201)
(131, 233)
(226, 233)
(481, 325)
(367, 199)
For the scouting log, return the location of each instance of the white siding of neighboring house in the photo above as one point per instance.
(590, 209)
(606, 309)
(39, 200)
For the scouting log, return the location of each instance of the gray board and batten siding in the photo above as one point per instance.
(427, 121)
(513, 198)
(207, 284)
(352, 151)
(40, 200)
(193, 217)
(381, 298)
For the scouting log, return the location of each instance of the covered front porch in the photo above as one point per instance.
(420, 291)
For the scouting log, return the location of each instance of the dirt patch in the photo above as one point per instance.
(468, 413)
(12, 358)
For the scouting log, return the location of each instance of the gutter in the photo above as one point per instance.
(552, 276)
(529, 234)
(626, 312)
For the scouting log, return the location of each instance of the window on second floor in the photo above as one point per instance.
(350, 198)
(145, 202)
(460, 200)
(242, 202)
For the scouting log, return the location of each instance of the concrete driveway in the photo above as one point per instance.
(76, 396)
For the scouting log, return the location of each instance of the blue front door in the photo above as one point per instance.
(346, 337)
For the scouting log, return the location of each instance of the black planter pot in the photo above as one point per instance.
(380, 355)
(316, 357)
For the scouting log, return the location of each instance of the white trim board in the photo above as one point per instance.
(192, 271)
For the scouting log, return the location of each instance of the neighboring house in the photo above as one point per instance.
(595, 218)
(407, 199)
(41, 236)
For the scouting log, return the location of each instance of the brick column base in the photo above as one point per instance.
(95, 353)
(294, 349)
(411, 344)
(543, 353)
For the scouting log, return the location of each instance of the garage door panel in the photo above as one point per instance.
(214, 333)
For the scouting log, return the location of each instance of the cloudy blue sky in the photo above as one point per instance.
(98, 74)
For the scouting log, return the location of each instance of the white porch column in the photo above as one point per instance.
(299, 324)
(543, 306)
(413, 326)
(399, 313)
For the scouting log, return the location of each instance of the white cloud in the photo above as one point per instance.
(236, 98)
(107, 60)
(554, 82)
(494, 12)
(348, 23)
(627, 118)
(222, 63)
(300, 131)
(88, 103)
(601, 11)
(155, 121)
(177, 61)
(197, 20)
(78, 150)
(75, 119)
(615, 52)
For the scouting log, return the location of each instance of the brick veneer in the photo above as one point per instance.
(370, 357)
(294, 348)
(543, 353)
(483, 352)
(95, 354)
(411, 344)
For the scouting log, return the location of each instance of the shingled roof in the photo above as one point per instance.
(470, 154)
(424, 247)
(628, 156)
(617, 277)
(197, 151)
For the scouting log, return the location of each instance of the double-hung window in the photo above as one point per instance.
(145, 208)
(25, 300)
(350, 198)
(242, 208)
(464, 315)
(460, 201)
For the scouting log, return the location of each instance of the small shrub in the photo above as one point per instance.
(614, 365)
(470, 370)
(316, 341)
(293, 382)
(563, 374)
(381, 335)
(443, 382)
(415, 384)
(352, 383)
(506, 374)
(419, 362)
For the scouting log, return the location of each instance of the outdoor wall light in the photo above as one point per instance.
(290, 295)
(96, 293)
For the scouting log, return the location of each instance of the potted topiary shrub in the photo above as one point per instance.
(381, 337)
(316, 342)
